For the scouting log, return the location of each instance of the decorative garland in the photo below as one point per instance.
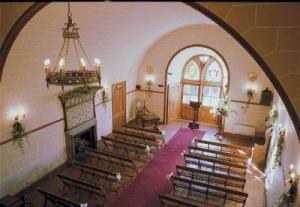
(279, 148)
(250, 95)
(149, 87)
(19, 134)
(80, 92)
(272, 118)
(104, 98)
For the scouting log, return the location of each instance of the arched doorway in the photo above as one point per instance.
(195, 73)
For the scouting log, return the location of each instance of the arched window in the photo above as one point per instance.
(204, 79)
(192, 71)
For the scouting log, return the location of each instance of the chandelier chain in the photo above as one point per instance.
(83, 51)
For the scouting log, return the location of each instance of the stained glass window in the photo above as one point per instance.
(192, 71)
(203, 58)
(213, 72)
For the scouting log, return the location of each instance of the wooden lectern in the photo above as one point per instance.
(195, 105)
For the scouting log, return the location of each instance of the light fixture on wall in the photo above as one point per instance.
(61, 74)
(149, 78)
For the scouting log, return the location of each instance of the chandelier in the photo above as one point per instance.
(61, 73)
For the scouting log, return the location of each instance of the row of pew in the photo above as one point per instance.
(213, 174)
(99, 175)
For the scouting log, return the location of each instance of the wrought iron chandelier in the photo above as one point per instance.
(61, 74)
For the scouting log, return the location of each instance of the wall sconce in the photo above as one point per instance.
(149, 79)
(252, 76)
(19, 117)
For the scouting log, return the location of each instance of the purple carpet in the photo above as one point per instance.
(143, 191)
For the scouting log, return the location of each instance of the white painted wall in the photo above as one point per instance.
(277, 179)
(117, 32)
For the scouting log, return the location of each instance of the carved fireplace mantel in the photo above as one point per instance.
(79, 114)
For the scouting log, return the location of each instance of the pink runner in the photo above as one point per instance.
(143, 191)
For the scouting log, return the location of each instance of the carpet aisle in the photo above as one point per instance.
(143, 191)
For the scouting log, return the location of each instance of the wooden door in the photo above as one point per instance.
(119, 104)
(174, 95)
(190, 92)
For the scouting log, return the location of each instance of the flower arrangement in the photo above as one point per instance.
(279, 148)
(224, 109)
(250, 94)
(149, 87)
(104, 97)
(272, 118)
(19, 133)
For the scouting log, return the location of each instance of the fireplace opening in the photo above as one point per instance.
(84, 139)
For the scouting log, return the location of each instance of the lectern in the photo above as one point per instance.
(195, 105)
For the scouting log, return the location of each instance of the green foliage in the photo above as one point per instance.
(288, 198)
(19, 134)
(80, 144)
(104, 98)
(272, 118)
(80, 92)
(279, 149)
(250, 94)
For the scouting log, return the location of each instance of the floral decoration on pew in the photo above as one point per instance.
(147, 149)
(169, 175)
(83, 205)
(279, 148)
(118, 176)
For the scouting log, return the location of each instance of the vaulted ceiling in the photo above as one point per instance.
(272, 29)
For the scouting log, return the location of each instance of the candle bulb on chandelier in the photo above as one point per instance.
(46, 65)
(291, 171)
(83, 64)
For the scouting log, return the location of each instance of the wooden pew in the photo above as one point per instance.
(87, 187)
(142, 129)
(227, 156)
(234, 149)
(56, 199)
(147, 132)
(207, 193)
(213, 165)
(151, 141)
(128, 147)
(152, 146)
(177, 201)
(122, 161)
(211, 177)
(107, 181)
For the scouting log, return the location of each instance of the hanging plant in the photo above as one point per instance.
(149, 87)
(104, 98)
(272, 118)
(279, 148)
(19, 134)
(250, 95)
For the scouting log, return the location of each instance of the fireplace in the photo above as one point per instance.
(83, 135)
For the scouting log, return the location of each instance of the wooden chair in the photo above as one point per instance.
(202, 192)
(227, 156)
(211, 178)
(233, 149)
(215, 165)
